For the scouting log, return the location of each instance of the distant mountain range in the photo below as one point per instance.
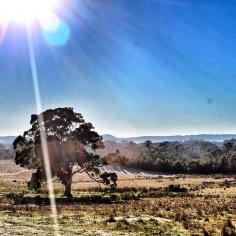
(202, 137)
(7, 139)
(107, 137)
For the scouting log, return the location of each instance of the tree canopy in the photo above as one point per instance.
(72, 144)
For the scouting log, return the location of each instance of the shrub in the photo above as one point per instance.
(176, 188)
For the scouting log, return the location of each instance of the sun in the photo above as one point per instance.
(27, 11)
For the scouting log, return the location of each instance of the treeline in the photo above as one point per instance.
(192, 157)
(197, 157)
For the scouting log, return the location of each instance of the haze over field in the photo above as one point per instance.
(107, 137)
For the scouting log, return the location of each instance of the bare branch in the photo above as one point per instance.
(97, 181)
(57, 179)
(79, 170)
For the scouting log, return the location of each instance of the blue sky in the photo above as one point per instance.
(131, 67)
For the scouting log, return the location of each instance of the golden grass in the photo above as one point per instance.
(207, 205)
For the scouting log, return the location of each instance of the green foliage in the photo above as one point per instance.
(72, 144)
(188, 157)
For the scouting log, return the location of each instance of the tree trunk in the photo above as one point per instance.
(67, 192)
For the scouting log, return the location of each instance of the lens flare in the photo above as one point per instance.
(3, 28)
(57, 35)
(43, 135)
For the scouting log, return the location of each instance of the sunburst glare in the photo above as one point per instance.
(26, 11)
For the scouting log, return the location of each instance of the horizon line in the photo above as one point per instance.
(168, 135)
(161, 135)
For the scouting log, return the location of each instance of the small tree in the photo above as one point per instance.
(115, 158)
(72, 145)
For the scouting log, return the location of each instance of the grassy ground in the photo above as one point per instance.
(177, 205)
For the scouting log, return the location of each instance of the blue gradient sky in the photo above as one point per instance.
(131, 67)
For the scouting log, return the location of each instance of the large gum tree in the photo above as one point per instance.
(72, 145)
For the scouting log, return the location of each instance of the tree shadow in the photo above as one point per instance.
(19, 199)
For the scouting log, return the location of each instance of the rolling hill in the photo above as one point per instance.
(198, 137)
(108, 137)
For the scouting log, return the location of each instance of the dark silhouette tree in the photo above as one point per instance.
(72, 145)
(228, 159)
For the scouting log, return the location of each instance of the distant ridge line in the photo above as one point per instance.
(159, 138)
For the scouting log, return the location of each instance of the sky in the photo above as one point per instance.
(131, 67)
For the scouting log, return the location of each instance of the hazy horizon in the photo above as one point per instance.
(152, 135)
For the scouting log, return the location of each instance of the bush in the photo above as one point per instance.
(176, 188)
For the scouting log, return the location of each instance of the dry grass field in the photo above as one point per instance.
(142, 205)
